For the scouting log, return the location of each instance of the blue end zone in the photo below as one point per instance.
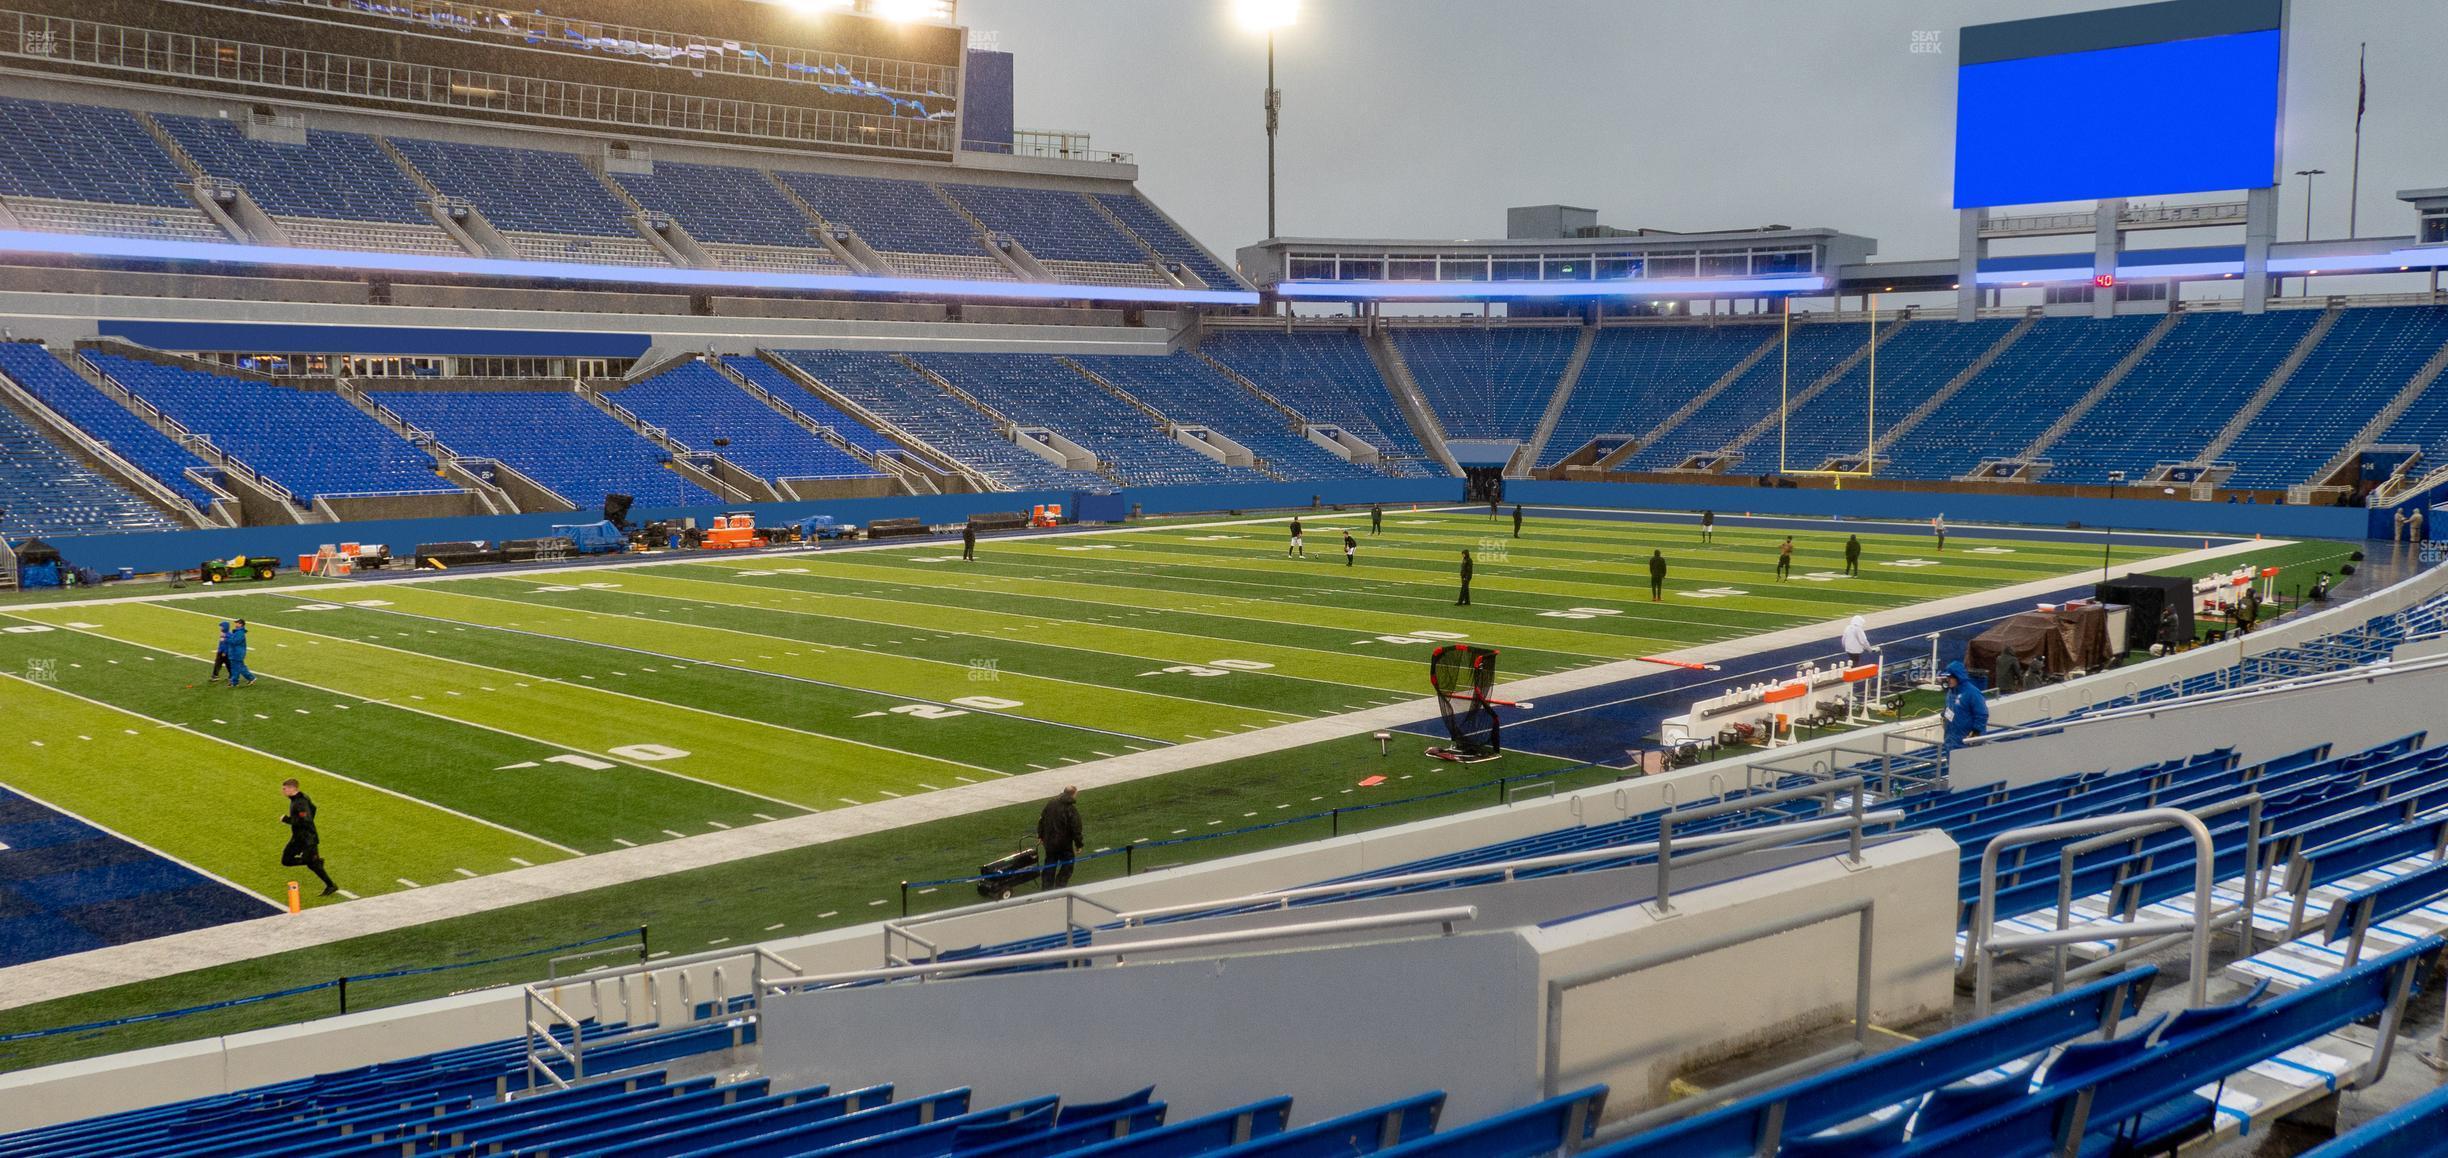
(66, 886)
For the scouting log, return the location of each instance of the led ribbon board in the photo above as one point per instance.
(2074, 108)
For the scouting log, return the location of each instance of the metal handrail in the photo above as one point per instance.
(575, 1052)
(901, 928)
(1831, 789)
(1283, 898)
(1984, 943)
(2228, 695)
(1446, 917)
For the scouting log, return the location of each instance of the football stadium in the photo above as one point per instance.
(589, 577)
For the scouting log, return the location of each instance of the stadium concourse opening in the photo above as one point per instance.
(770, 603)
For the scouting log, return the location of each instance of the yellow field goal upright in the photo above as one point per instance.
(1869, 458)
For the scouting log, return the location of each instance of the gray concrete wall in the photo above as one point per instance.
(1637, 1032)
(1339, 1029)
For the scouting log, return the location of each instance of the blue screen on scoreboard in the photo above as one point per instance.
(2184, 116)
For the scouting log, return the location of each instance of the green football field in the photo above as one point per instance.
(466, 726)
(469, 725)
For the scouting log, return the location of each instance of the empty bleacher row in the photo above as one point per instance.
(700, 407)
(1189, 389)
(1329, 378)
(2191, 395)
(2178, 396)
(458, 1103)
(44, 490)
(1637, 375)
(56, 387)
(311, 442)
(88, 169)
(1039, 390)
(1485, 384)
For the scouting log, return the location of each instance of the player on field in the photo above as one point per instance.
(236, 645)
(1657, 575)
(1464, 601)
(1785, 560)
(1938, 528)
(221, 654)
(1351, 549)
(305, 843)
(1295, 549)
(1376, 518)
(1517, 520)
(1852, 554)
(968, 542)
(1708, 526)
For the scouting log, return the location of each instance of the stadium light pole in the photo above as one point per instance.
(1267, 16)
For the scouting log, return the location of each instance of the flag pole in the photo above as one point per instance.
(2354, 182)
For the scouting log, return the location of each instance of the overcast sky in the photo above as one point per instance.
(1426, 118)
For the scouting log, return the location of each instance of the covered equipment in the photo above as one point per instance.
(1464, 678)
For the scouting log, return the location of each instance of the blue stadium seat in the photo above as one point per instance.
(2364, 360)
(697, 404)
(1052, 223)
(549, 205)
(1189, 389)
(44, 490)
(1914, 361)
(310, 441)
(887, 387)
(1816, 349)
(70, 396)
(1638, 374)
(337, 175)
(551, 436)
(2179, 396)
(2011, 402)
(1327, 378)
(781, 385)
(1487, 382)
(82, 153)
(889, 214)
(1169, 242)
(1037, 389)
(727, 204)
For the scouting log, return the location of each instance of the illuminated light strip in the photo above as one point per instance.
(18, 241)
(1612, 287)
(2424, 258)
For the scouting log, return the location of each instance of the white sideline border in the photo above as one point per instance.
(96, 969)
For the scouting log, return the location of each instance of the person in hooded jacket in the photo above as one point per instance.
(1967, 711)
(1856, 642)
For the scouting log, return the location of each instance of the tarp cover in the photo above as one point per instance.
(2051, 642)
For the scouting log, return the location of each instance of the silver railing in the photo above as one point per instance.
(544, 1017)
(1985, 945)
(1445, 919)
(1505, 871)
(2237, 694)
(897, 932)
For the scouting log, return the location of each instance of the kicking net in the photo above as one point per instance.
(1464, 678)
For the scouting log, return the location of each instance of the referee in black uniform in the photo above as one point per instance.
(305, 844)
